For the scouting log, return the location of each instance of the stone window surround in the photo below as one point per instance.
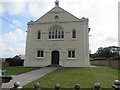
(56, 32)
(71, 54)
(40, 54)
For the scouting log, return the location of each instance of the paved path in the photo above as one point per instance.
(28, 77)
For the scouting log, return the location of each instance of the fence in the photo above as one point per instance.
(108, 63)
(116, 86)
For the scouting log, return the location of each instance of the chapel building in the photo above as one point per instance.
(57, 38)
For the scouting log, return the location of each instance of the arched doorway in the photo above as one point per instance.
(55, 55)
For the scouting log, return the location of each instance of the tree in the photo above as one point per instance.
(107, 52)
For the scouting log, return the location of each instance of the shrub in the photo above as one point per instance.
(15, 62)
(8, 59)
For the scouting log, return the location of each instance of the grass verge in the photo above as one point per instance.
(18, 70)
(86, 77)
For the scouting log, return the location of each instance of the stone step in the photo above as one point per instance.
(53, 65)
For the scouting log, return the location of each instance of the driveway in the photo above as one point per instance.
(28, 77)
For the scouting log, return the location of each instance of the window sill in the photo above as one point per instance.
(39, 58)
(74, 39)
(71, 58)
(56, 39)
(38, 39)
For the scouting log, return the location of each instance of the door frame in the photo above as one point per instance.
(52, 56)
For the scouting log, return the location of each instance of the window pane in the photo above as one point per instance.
(39, 34)
(56, 34)
(42, 54)
(62, 34)
(50, 35)
(69, 53)
(73, 54)
(59, 34)
(74, 34)
(38, 53)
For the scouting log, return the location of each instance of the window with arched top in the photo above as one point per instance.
(74, 34)
(39, 35)
(56, 32)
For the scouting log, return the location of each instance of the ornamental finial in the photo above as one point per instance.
(56, 3)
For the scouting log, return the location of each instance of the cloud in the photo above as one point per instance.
(13, 8)
(104, 25)
(16, 23)
(37, 9)
(112, 39)
(13, 43)
(1, 9)
(102, 15)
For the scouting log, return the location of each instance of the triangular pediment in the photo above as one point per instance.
(57, 14)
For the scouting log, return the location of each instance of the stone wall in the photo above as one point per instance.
(108, 63)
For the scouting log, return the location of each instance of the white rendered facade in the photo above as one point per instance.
(58, 37)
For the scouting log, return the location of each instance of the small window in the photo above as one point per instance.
(56, 16)
(40, 54)
(39, 35)
(74, 34)
(71, 54)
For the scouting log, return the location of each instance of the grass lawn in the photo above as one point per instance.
(86, 77)
(18, 70)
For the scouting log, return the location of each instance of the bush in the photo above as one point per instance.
(15, 62)
(8, 59)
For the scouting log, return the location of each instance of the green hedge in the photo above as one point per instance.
(104, 58)
(116, 57)
(15, 62)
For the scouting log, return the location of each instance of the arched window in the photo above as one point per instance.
(39, 35)
(74, 34)
(56, 32)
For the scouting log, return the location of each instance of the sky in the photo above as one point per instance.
(15, 14)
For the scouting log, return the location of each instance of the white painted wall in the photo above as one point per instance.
(68, 22)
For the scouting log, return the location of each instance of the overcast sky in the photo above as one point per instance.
(102, 14)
